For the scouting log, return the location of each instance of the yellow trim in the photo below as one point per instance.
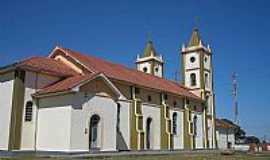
(15, 130)
(166, 137)
(137, 133)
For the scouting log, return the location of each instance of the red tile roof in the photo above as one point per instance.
(223, 124)
(46, 65)
(122, 73)
(65, 85)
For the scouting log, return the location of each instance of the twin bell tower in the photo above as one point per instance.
(197, 75)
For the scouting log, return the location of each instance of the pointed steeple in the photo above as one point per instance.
(195, 39)
(149, 50)
(149, 62)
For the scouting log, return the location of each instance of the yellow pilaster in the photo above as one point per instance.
(136, 123)
(166, 140)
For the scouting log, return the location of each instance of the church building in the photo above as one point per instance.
(75, 102)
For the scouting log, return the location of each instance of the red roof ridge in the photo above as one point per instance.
(126, 67)
(224, 124)
(85, 58)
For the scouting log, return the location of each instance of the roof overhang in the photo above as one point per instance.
(150, 58)
(8, 68)
(196, 48)
(77, 87)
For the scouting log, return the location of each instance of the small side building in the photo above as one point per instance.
(225, 134)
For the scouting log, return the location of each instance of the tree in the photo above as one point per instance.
(252, 139)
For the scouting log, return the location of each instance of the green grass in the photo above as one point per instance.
(188, 157)
(180, 156)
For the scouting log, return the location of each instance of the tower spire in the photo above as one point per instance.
(195, 38)
(149, 50)
(150, 62)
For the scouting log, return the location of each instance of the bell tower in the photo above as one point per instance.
(149, 62)
(197, 73)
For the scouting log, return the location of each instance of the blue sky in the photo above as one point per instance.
(237, 31)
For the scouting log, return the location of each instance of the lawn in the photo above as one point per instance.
(189, 157)
(178, 156)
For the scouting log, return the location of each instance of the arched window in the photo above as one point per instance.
(148, 133)
(206, 79)
(28, 111)
(207, 102)
(195, 125)
(193, 79)
(118, 116)
(174, 125)
(93, 136)
(149, 98)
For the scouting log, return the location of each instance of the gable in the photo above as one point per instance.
(76, 83)
(60, 55)
(99, 87)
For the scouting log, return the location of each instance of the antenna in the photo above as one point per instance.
(234, 94)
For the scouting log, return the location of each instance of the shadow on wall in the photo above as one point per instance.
(120, 142)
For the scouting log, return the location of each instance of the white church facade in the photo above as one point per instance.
(73, 102)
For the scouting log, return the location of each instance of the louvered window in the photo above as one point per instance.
(28, 111)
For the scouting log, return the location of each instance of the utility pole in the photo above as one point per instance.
(234, 94)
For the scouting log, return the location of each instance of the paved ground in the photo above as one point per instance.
(143, 155)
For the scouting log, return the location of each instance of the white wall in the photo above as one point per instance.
(159, 71)
(231, 138)
(189, 64)
(179, 136)
(195, 66)
(147, 64)
(207, 64)
(210, 133)
(242, 147)
(33, 81)
(54, 123)
(152, 111)
(64, 121)
(199, 136)
(188, 80)
(225, 136)
(124, 121)
(140, 66)
(82, 110)
(6, 91)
